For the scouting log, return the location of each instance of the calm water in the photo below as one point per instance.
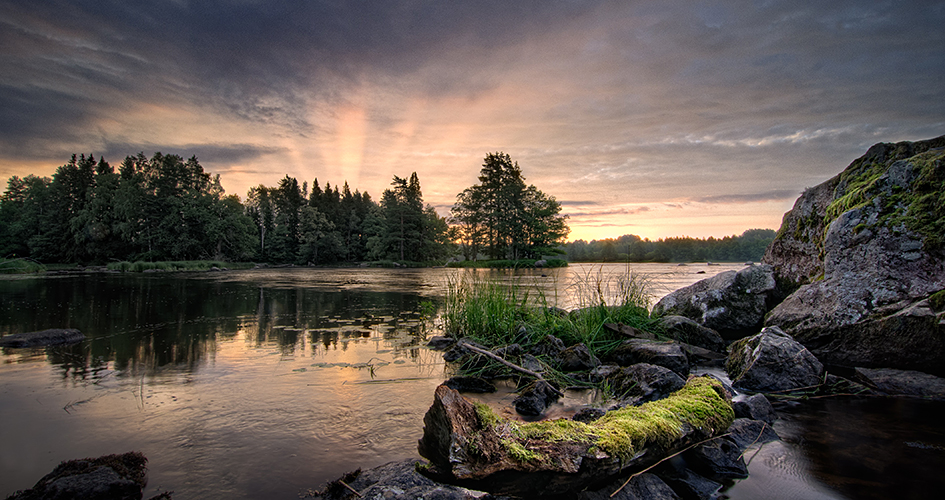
(265, 383)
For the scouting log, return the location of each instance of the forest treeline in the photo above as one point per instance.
(165, 208)
(749, 246)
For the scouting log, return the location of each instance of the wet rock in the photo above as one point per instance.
(54, 336)
(666, 354)
(756, 407)
(440, 343)
(646, 486)
(834, 384)
(718, 460)
(470, 384)
(393, 481)
(458, 350)
(535, 398)
(644, 382)
(903, 382)
(629, 331)
(746, 432)
(686, 330)
(509, 352)
(730, 303)
(549, 346)
(588, 414)
(772, 361)
(686, 483)
(109, 477)
(577, 358)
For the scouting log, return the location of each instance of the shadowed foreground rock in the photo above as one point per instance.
(110, 477)
(772, 361)
(467, 444)
(54, 336)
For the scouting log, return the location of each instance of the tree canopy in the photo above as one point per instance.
(505, 218)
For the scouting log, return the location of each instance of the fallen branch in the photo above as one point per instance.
(511, 365)
(356, 492)
(635, 474)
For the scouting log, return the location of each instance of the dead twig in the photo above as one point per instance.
(635, 474)
(764, 425)
(346, 485)
(511, 365)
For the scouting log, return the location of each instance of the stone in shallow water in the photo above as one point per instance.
(903, 382)
(54, 336)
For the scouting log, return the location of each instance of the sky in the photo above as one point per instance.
(654, 118)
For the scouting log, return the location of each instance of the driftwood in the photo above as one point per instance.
(469, 445)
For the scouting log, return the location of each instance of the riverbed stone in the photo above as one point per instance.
(755, 407)
(535, 398)
(644, 382)
(718, 460)
(686, 483)
(42, 338)
(470, 384)
(549, 345)
(903, 382)
(629, 331)
(393, 481)
(109, 477)
(645, 486)
(731, 303)
(747, 432)
(687, 330)
(440, 342)
(577, 358)
(666, 354)
(772, 361)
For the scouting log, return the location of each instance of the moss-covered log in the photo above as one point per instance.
(468, 444)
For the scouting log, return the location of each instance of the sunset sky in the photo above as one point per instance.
(656, 118)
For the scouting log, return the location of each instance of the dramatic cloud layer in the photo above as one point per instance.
(652, 118)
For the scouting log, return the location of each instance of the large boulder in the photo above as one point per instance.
(687, 330)
(772, 361)
(903, 382)
(866, 249)
(731, 303)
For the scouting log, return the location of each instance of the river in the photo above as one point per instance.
(265, 383)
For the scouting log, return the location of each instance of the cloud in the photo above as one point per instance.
(776, 195)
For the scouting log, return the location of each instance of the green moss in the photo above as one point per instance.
(519, 452)
(487, 417)
(920, 207)
(937, 300)
(622, 433)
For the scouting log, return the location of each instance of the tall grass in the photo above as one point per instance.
(495, 313)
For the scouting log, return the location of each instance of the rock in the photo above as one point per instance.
(687, 483)
(746, 432)
(549, 346)
(903, 382)
(629, 331)
(834, 384)
(470, 384)
(440, 343)
(393, 481)
(646, 486)
(686, 330)
(54, 336)
(588, 414)
(666, 354)
(109, 477)
(577, 358)
(644, 382)
(772, 361)
(718, 460)
(535, 398)
(756, 407)
(469, 444)
(866, 249)
(730, 303)
(457, 350)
